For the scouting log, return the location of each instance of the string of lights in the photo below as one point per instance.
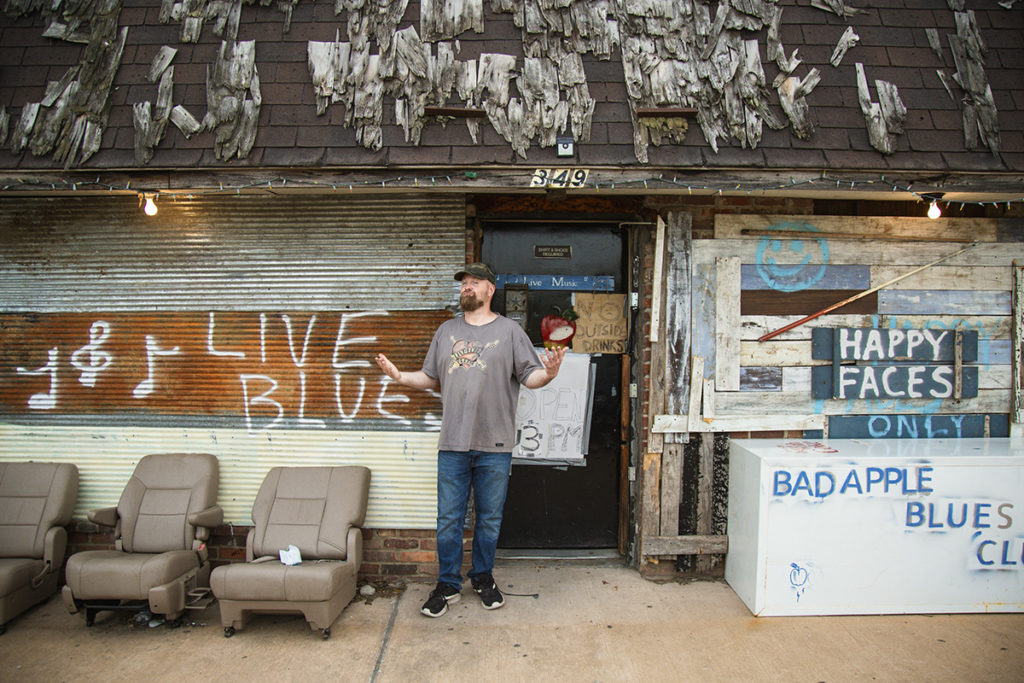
(661, 181)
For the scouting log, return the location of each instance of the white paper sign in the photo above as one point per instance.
(553, 422)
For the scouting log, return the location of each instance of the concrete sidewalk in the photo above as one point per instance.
(580, 623)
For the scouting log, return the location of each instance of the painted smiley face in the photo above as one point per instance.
(792, 264)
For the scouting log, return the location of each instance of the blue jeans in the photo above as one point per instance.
(457, 472)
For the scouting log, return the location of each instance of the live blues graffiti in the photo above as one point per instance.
(267, 370)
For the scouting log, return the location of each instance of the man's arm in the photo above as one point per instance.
(552, 359)
(416, 380)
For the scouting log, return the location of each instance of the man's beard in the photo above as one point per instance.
(468, 302)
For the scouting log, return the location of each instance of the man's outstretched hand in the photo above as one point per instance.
(552, 359)
(387, 367)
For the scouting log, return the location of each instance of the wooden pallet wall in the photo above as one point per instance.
(761, 273)
(744, 287)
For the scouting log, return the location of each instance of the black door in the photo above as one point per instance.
(564, 506)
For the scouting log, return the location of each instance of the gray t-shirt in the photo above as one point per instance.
(480, 368)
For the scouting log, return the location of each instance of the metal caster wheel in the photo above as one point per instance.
(229, 631)
(326, 633)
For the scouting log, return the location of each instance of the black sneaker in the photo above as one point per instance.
(488, 591)
(440, 597)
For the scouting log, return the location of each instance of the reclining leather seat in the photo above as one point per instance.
(160, 525)
(36, 500)
(320, 511)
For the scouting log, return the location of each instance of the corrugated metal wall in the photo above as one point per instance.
(403, 488)
(235, 369)
(242, 326)
(234, 253)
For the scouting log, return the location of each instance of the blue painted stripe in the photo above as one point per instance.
(944, 302)
(584, 283)
(995, 352)
(833, 277)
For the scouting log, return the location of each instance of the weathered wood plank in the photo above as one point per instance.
(739, 423)
(876, 114)
(778, 354)
(696, 389)
(727, 323)
(995, 377)
(678, 240)
(801, 403)
(160, 62)
(939, 302)
(1017, 332)
(685, 545)
(707, 399)
(846, 41)
(657, 377)
(443, 19)
(860, 252)
(805, 302)
(657, 289)
(184, 121)
(731, 226)
(827, 277)
(650, 496)
(761, 379)
(796, 379)
(702, 334)
(671, 487)
(705, 491)
(980, 117)
(753, 327)
(945, 277)
(988, 326)
(995, 352)
(793, 94)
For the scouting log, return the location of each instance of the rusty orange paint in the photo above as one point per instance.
(301, 365)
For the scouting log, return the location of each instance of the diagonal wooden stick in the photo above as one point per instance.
(861, 295)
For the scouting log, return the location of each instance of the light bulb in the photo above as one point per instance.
(150, 206)
(934, 211)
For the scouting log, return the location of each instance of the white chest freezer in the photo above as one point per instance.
(886, 526)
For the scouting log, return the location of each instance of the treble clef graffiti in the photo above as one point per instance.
(99, 360)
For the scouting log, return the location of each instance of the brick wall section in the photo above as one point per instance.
(390, 556)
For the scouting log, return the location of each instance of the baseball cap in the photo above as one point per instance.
(479, 270)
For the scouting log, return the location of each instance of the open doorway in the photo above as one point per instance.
(563, 506)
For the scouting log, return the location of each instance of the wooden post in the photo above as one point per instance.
(624, 451)
(727, 323)
(679, 243)
(656, 296)
(676, 349)
(1018, 341)
(650, 498)
(705, 499)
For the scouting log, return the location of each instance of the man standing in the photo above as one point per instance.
(479, 362)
